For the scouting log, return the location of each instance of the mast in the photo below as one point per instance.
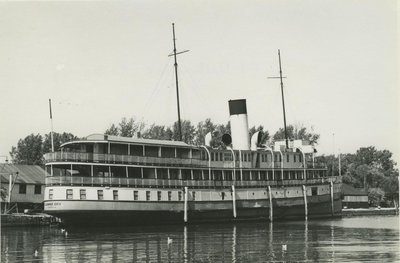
(283, 100)
(51, 123)
(177, 86)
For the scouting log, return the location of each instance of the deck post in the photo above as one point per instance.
(185, 216)
(305, 202)
(234, 201)
(271, 215)
(331, 192)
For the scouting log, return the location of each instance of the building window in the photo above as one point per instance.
(51, 194)
(100, 195)
(223, 196)
(148, 195)
(38, 189)
(194, 196)
(287, 157)
(82, 194)
(294, 157)
(159, 195)
(179, 196)
(300, 158)
(169, 195)
(135, 195)
(115, 194)
(69, 193)
(22, 188)
(314, 190)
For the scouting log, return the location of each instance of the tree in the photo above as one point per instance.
(58, 139)
(112, 130)
(125, 128)
(298, 132)
(159, 132)
(3, 194)
(128, 127)
(203, 127)
(28, 151)
(368, 168)
(264, 135)
(188, 132)
(376, 196)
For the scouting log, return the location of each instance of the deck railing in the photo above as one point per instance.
(164, 183)
(160, 161)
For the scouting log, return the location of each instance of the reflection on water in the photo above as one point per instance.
(370, 239)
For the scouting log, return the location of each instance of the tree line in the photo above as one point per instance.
(370, 169)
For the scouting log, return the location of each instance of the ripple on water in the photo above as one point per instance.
(369, 239)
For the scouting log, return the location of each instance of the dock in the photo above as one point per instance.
(372, 211)
(10, 220)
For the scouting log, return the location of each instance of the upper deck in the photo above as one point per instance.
(99, 148)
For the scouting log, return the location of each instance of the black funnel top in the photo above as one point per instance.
(237, 107)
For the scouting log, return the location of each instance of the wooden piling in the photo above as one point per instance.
(234, 201)
(185, 215)
(305, 202)
(332, 203)
(271, 215)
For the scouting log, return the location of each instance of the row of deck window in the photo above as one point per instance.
(174, 152)
(100, 195)
(169, 173)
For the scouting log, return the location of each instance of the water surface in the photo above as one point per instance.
(356, 239)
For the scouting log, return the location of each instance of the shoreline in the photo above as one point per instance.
(17, 220)
(372, 211)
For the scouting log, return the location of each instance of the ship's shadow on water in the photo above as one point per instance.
(342, 240)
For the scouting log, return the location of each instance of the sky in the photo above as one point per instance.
(101, 61)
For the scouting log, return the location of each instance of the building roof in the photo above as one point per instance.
(350, 190)
(27, 174)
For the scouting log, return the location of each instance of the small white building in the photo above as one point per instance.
(27, 190)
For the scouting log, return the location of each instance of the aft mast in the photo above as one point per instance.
(176, 82)
(283, 99)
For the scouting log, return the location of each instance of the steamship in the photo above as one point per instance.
(106, 179)
(111, 180)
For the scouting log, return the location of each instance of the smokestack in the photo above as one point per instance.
(239, 124)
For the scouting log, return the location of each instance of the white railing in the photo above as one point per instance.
(137, 182)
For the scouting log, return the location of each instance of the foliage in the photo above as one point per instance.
(376, 196)
(112, 130)
(264, 134)
(125, 128)
(3, 194)
(159, 132)
(58, 139)
(30, 150)
(368, 168)
(204, 127)
(297, 132)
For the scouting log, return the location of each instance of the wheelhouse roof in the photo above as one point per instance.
(99, 138)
